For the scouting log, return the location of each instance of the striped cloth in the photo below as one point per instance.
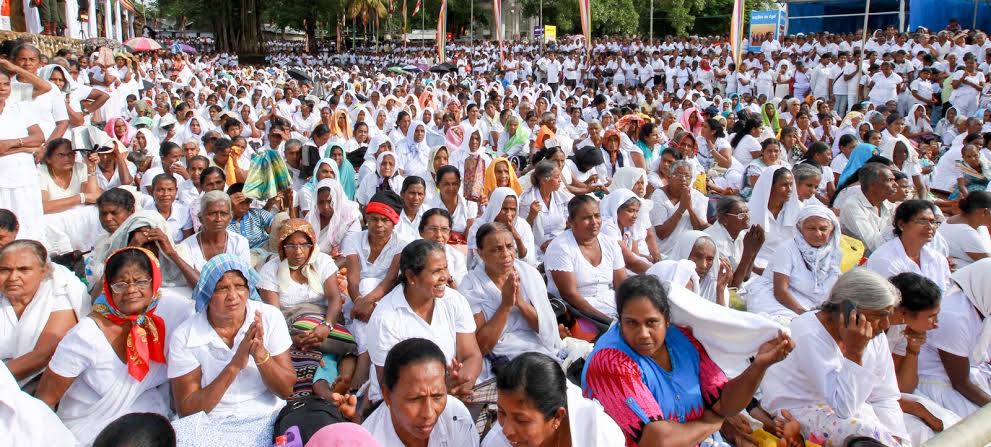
(214, 270)
(310, 320)
(268, 175)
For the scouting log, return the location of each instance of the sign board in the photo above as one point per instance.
(765, 25)
(538, 31)
(550, 33)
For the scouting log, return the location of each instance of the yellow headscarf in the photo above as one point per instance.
(489, 183)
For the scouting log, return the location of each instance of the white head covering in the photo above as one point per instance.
(412, 146)
(824, 261)
(626, 177)
(678, 272)
(609, 209)
(974, 281)
(683, 248)
(761, 195)
(345, 214)
(499, 195)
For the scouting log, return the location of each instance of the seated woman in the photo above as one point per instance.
(635, 180)
(436, 226)
(656, 380)
(163, 190)
(582, 169)
(537, 406)
(966, 234)
(953, 363)
(324, 169)
(423, 306)
(713, 270)
(503, 207)
(509, 300)
(413, 194)
(214, 237)
(807, 179)
(735, 238)
(974, 172)
(335, 216)
(113, 168)
(544, 205)
(463, 212)
(677, 207)
(770, 155)
(229, 364)
(803, 270)
(38, 305)
(500, 174)
(620, 212)
(471, 162)
(915, 225)
(583, 265)
(915, 315)
(113, 362)
(369, 167)
(774, 206)
(386, 177)
(840, 381)
(417, 407)
(345, 169)
(66, 188)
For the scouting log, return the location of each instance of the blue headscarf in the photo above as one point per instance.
(214, 270)
(344, 175)
(859, 156)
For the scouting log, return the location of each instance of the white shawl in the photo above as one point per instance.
(974, 281)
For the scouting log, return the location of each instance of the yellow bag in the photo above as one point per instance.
(765, 439)
(853, 252)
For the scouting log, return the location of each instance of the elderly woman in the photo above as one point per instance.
(966, 234)
(66, 187)
(413, 194)
(621, 221)
(423, 294)
(436, 226)
(87, 378)
(713, 270)
(509, 300)
(214, 236)
(504, 207)
(537, 405)
(417, 407)
(39, 303)
(774, 206)
(302, 279)
(463, 212)
(803, 270)
(584, 266)
(635, 180)
(735, 238)
(471, 161)
(113, 167)
(770, 155)
(655, 379)
(229, 364)
(544, 205)
(915, 223)
(385, 178)
(164, 188)
(677, 207)
(840, 381)
(500, 174)
(333, 217)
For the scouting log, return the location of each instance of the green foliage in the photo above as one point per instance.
(609, 17)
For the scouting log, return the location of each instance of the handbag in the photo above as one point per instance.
(305, 416)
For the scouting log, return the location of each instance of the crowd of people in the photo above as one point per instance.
(640, 244)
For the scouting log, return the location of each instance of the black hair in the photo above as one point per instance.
(744, 127)
(975, 201)
(727, 203)
(221, 144)
(847, 139)
(909, 209)
(125, 258)
(8, 220)
(918, 292)
(643, 286)
(486, 229)
(229, 123)
(400, 116)
(817, 148)
(55, 144)
(576, 202)
(447, 169)
(320, 130)
(212, 170)
(116, 197)
(137, 430)
(413, 258)
(412, 181)
(718, 130)
(409, 352)
(538, 378)
(646, 130)
(862, 441)
(166, 147)
(670, 151)
(431, 213)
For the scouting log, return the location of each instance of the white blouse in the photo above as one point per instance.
(801, 284)
(55, 191)
(664, 208)
(410, 229)
(551, 219)
(459, 218)
(454, 428)
(372, 272)
(890, 259)
(960, 327)
(962, 239)
(237, 245)
(594, 282)
(195, 344)
(297, 293)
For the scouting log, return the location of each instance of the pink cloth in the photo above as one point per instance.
(128, 133)
(342, 434)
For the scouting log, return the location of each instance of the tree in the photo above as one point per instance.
(608, 16)
(236, 24)
(311, 16)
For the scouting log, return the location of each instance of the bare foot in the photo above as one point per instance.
(790, 431)
(341, 384)
(346, 403)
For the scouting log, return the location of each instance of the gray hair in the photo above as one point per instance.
(34, 247)
(872, 174)
(864, 288)
(679, 164)
(805, 171)
(542, 171)
(193, 141)
(212, 197)
(294, 143)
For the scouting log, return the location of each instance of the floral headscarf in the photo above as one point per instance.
(309, 269)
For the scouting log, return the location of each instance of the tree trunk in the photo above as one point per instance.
(310, 28)
(238, 27)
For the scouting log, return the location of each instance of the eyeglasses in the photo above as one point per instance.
(931, 223)
(299, 247)
(682, 176)
(437, 229)
(121, 287)
(741, 215)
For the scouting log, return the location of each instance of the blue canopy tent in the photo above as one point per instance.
(841, 16)
(935, 14)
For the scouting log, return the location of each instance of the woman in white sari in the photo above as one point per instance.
(86, 377)
(915, 225)
(621, 211)
(774, 206)
(713, 270)
(385, 178)
(38, 305)
(966, 234)
(504, 207)
(333, 217)
(509, 300)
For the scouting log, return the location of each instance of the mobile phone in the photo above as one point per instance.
(847, 307)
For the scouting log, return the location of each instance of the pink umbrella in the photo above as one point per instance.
(143, 44)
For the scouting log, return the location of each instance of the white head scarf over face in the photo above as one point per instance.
(974, 281)
(821, 261)
(761, 195)
(683, 249)
(609, 209)
(345, 214)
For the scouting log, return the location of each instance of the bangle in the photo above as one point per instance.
(268, 355)
(82, 198)
(20, 142)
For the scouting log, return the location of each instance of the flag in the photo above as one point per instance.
(404, 19)
(585, 15)
(497, 11)
(416, 9)
(736, 31)
(442, 32)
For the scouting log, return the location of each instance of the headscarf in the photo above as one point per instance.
(46, 74)
(214, 269)
(413, 147)
(337, 131)
(345, 214)
(850, 116)
(761, 196)
(974, 281)
(695, 130)
(309, 269)
(823, 261)
(774, 122)
(385, 183)
(626, 177)
(146, 337)
(171, 275)
(678, 272)
(628, 121)
(345, 173)
(489, 183)
(520, 138)
(682, 137)
(609, 209)
(455, 135)
(151, 142)
(311, 184)
(342, 434)
(128, 132)
(385, 203)
(683, 249)
(588, 157)
(859, 157)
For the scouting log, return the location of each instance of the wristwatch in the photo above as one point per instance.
(329, 326)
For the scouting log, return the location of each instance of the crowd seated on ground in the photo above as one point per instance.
(622, 243)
